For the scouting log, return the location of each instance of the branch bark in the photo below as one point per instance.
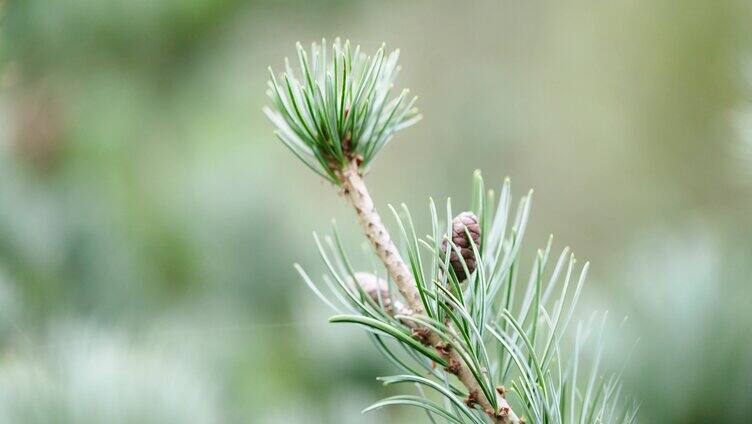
(357, 194)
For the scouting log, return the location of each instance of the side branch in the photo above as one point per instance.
(357, 194)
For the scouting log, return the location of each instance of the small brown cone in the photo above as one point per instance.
(378, 290)
(460, 239)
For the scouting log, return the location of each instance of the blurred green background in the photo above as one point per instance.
(149, 219)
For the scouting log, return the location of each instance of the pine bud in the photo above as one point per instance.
(377, 289)
(460, 239)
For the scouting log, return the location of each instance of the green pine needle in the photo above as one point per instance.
(340, 108)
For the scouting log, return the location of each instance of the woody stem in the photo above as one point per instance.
(357, 194)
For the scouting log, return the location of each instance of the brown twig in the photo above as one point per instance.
(357, 194)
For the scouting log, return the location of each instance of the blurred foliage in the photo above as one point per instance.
(148, 219)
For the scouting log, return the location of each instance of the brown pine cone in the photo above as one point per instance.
(377, 289)
(459, 238)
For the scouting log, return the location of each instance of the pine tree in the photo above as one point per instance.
(447, 311)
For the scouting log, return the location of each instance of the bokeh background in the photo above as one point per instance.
(149, 220)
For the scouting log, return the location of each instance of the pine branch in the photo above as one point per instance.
(461, 311)
(356, 192)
